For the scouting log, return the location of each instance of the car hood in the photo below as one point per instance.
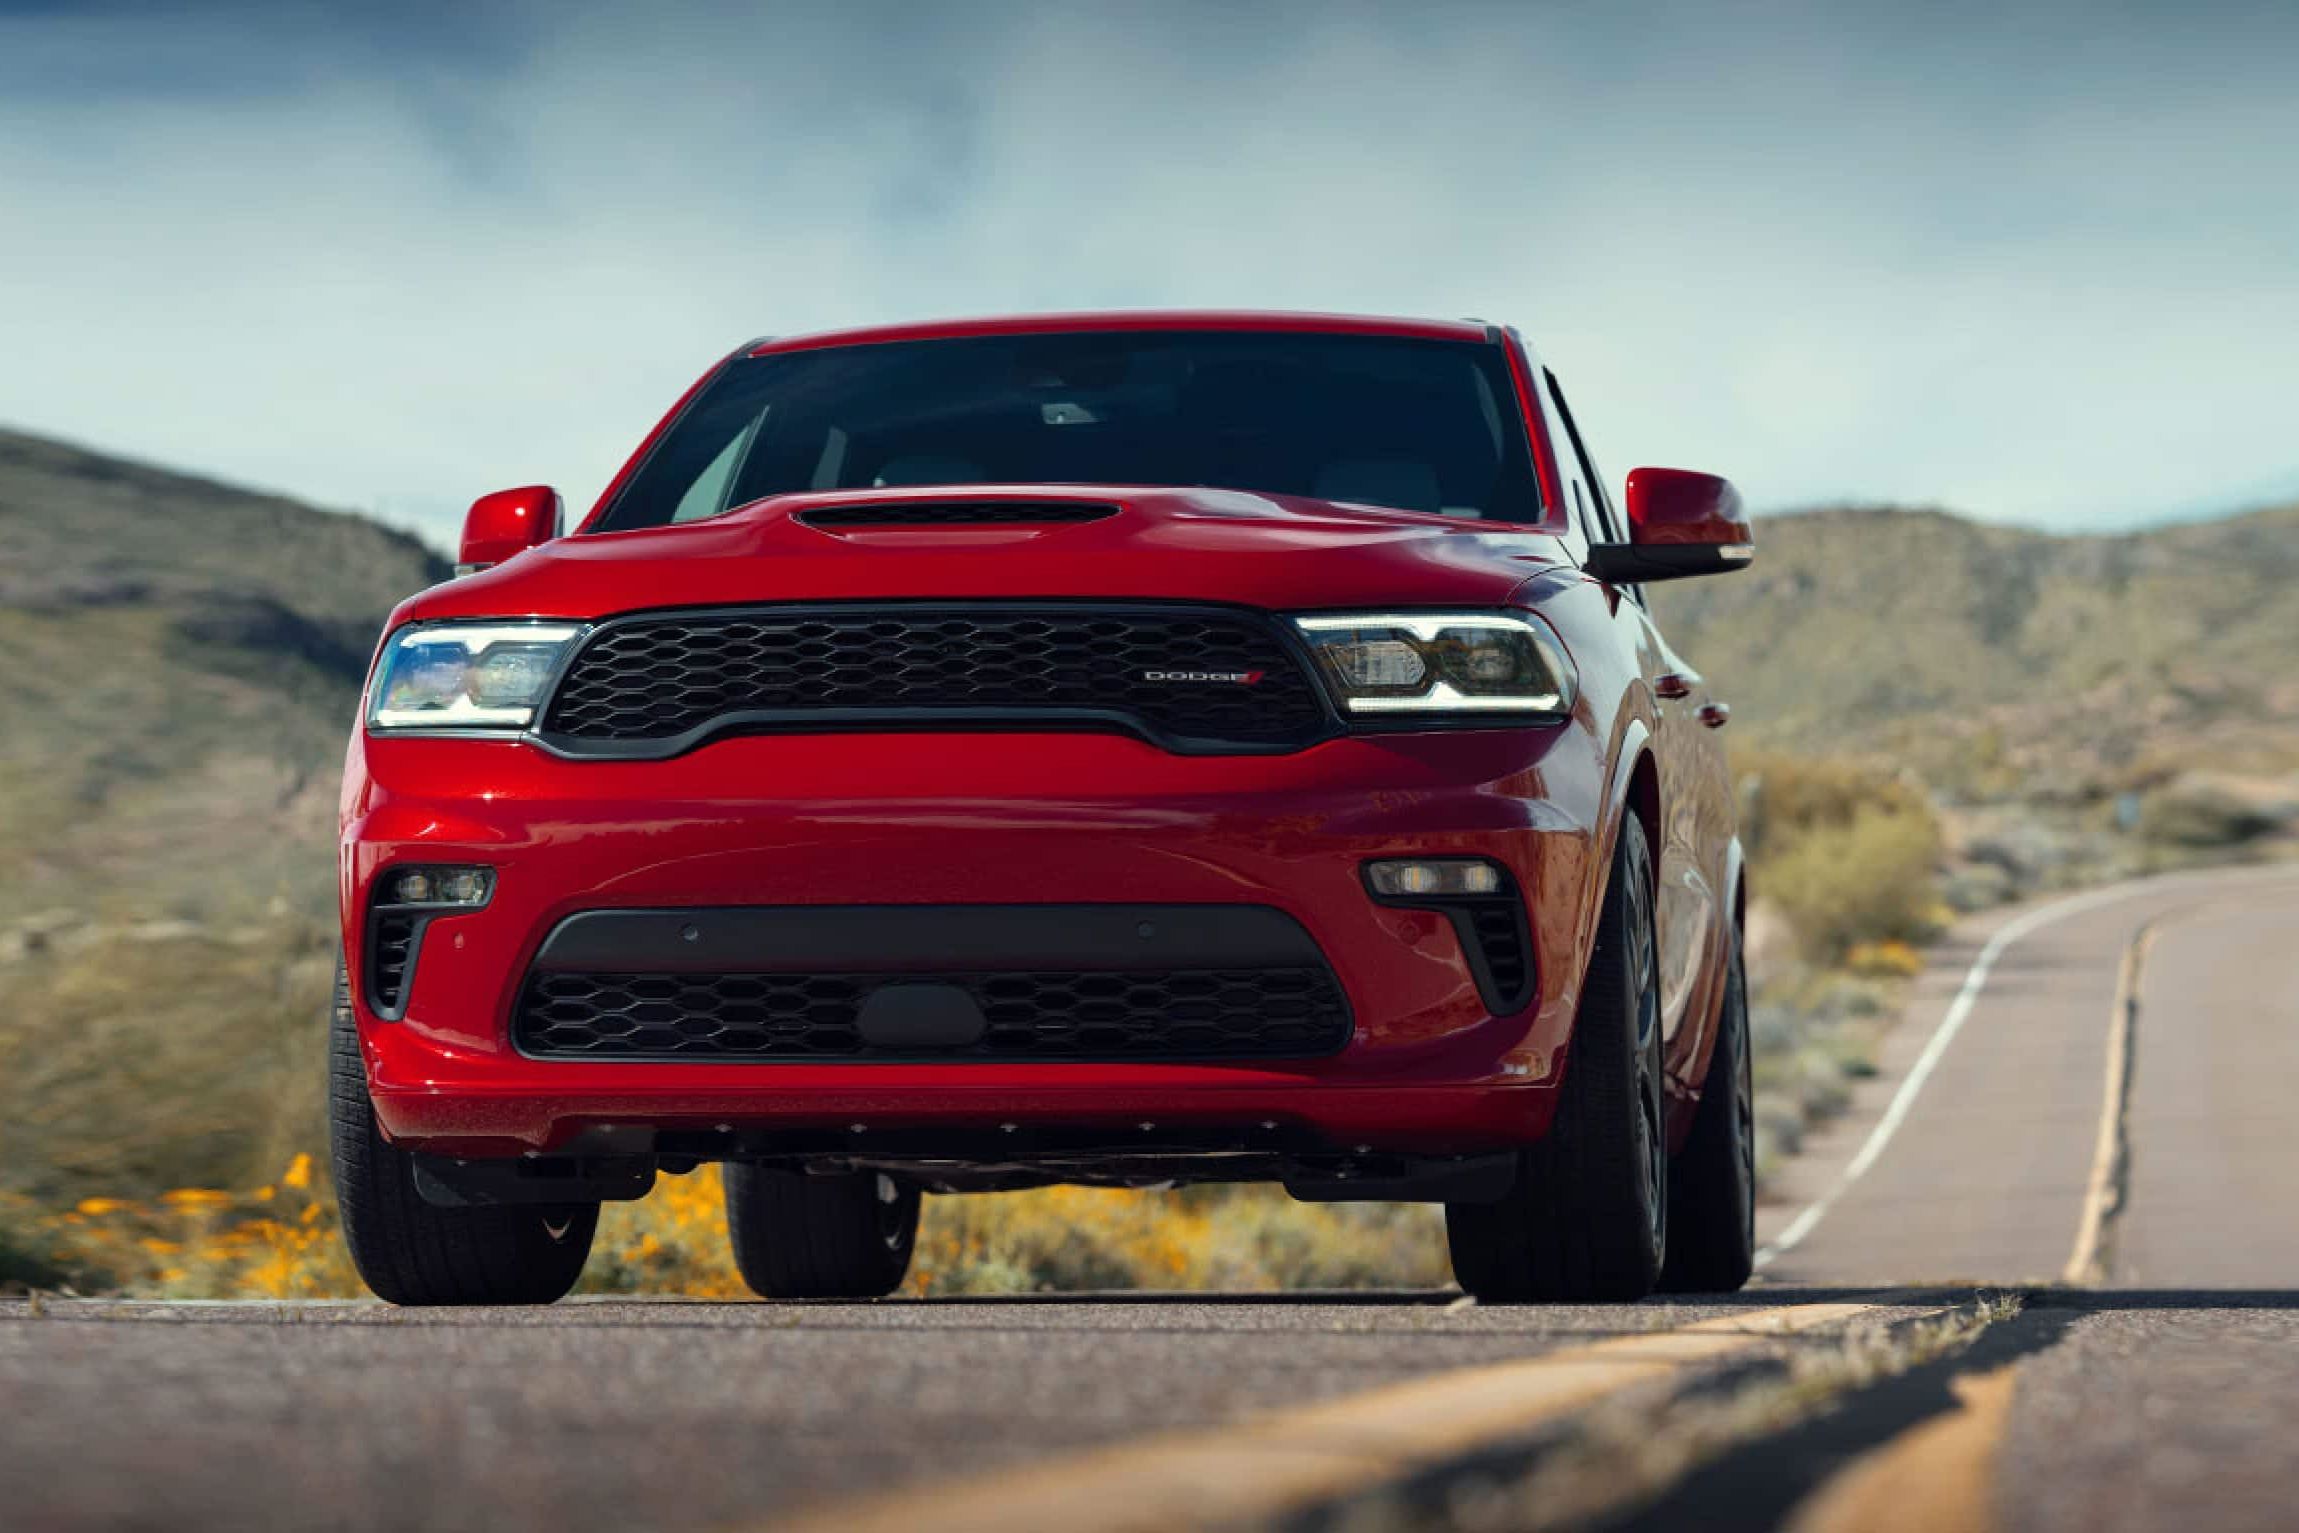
(1188, 544)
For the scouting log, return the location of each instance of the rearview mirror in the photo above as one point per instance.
(507, 522)
(1680, 523)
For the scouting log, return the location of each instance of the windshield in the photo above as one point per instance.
(1419, 425)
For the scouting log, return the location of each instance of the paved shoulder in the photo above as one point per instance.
(1977, 1152)
(2212, 1195)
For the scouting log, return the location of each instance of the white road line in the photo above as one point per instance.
(1905, 1098)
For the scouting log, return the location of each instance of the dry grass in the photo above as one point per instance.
(280, 1241)
(277, 1241)
(144, 1057)
(1058, 1239)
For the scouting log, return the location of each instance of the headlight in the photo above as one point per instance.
(467, 675)
(1448, 662)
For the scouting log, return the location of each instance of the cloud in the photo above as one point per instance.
(2032, 266)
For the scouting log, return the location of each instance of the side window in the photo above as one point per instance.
(1606, 522)
(1579, 512)
(1606, 518)
(1591, 528)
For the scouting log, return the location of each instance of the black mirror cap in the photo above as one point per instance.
(1643, 563)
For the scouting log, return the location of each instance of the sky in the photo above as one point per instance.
(2035, 263)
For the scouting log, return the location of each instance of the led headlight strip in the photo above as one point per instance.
(1407, 663)
(467, 675)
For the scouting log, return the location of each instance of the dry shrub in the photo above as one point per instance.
(1891, 958)
(671, 1241)
(26, 1256)
(1230, 1238)
(1057, 1239)
(1848, 853)
(133, 1063)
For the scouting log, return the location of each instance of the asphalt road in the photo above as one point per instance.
(2158, 1392)
(2152, 1384)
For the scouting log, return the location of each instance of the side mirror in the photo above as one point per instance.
(1680, 523)
(507, 522)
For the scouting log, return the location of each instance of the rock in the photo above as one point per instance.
(1978, 886)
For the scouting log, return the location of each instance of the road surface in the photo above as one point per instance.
(2084, 1106)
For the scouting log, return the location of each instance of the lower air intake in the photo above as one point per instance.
(1174, 1014)
(390, 951)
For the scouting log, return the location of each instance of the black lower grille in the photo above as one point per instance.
(1172, 1014)
(1187, 678)
(390, 951)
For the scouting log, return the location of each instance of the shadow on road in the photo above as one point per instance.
(2095, 1300)
(1758, 1487)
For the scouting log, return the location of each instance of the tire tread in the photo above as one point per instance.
(1572, 1228)
(1711, 1241)
(799, 1236)
(412, 1253)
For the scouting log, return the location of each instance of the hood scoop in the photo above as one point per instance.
(955, 513)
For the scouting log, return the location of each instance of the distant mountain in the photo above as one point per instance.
(1932, 637)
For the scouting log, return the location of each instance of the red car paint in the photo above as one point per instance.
(860, 817)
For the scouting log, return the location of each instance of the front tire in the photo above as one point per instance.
(1712, 1182)
(800, 1236)
(410, 1252)
(1587, 1220)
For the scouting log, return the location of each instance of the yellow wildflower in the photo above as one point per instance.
(196, 1197)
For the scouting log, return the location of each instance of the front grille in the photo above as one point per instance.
(1171, 1014)
(958, 513)
(647, 685)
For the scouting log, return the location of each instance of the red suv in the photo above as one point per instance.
(1129, 749)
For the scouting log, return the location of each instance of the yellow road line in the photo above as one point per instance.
(1265, 1467)
(2111, 1152)
(2103, 1192)
(1936, 1477)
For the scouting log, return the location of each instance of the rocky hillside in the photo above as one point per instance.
(1936, 638)
(178, 663)
(2079, 708)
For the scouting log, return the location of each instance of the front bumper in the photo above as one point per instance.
(974, 820)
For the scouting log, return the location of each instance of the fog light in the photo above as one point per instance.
(464, 886)
(438, 886)
(1433, 877)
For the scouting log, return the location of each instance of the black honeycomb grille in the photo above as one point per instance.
(1175, 1014)
(646, 684)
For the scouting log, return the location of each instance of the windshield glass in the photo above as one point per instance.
(1420, 425)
